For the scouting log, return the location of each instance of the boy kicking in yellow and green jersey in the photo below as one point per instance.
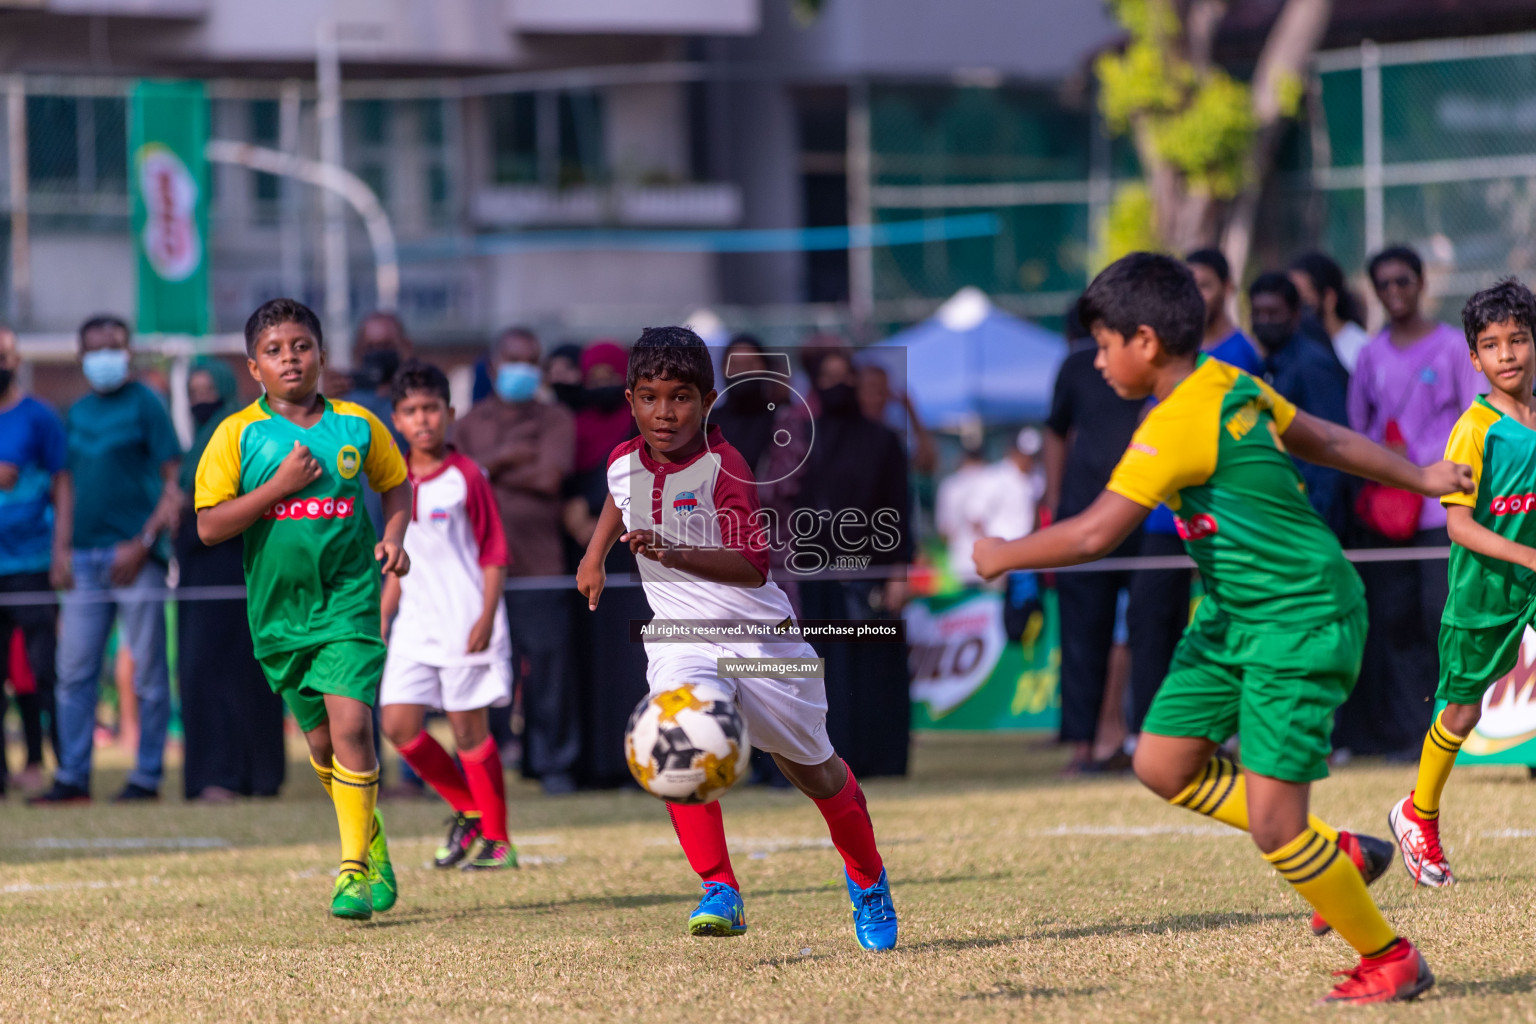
(1493, 557)
(1276, 645)
(287, 472)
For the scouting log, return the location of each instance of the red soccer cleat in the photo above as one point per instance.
(1420, 842)
(1371, 857)
(1396, 977)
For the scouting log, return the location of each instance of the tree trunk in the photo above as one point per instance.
(1287, 54)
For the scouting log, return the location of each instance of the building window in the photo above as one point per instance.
(53, 145)
(438, 190)
(552, 139)
(514, 139)
(581, 138)
(431, 117)
(266, 189)
(372, 120)
(109, 116)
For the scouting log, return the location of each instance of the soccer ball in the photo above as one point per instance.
(688, 745)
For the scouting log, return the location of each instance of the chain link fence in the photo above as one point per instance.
(1433, 145)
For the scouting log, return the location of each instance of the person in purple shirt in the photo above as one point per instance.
(1415, 372)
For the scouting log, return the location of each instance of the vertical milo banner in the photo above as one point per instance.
(966, 675)
(1507, 732)
(168, 194)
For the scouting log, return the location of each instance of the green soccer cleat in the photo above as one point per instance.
(381, 873)
(352, 898)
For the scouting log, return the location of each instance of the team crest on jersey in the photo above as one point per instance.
(685, 503)
(440, 515)
(348, 461)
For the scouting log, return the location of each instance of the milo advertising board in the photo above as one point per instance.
(966, 675)
(1507, 732)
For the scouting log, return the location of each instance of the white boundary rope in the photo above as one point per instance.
(525, 583)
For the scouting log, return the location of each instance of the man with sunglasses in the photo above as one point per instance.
(1409, 382)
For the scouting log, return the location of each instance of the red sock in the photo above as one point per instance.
(852, 832)
(431, 762)
(482, 767)
(701, 830)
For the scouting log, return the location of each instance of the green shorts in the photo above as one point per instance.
(342, 668)
(1471, 659)
(1277, 690)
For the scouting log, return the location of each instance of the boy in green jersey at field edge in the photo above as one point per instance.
(1276, 645)
(1493, 557)
(286, 472)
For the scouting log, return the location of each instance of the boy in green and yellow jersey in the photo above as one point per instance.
(287, 473)
(1276, 645)
(1493, 557)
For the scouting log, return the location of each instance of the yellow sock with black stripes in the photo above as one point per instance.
(1221, 793)
(1440, 749)
(323, 773)
(355, 795)
(1326, 878)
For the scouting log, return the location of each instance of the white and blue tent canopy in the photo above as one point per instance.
(971, 362)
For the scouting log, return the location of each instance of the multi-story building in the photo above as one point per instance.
(574, 162)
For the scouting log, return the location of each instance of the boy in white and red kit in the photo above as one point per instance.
(686, 504)
(448, 644)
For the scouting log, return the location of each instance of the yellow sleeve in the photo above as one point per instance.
(1170, 451)
(1466, 446)
(218, 471)
(1279, 406)
(384, 466)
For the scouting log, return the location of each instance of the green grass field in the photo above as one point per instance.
(1021, 897)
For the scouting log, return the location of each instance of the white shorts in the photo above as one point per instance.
(783, 716)
(450, 688)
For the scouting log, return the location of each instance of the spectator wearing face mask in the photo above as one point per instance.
(1306, 372)
(379, 347)
(562, 375)
(124, 459)
(610, 677)
(528, 448)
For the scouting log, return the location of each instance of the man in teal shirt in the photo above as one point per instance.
(123, 457)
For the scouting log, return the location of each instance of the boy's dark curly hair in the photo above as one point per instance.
(1507, 301)
(419, 376)
(281, 311)
(671, 353)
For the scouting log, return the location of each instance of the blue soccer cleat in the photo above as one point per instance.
(720, 912)
(874, 914)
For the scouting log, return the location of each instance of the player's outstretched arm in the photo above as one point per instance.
(1328, 444)
(1474, 536)
(389, 552)
(590, 575)
(229, 519)
(1085, 537)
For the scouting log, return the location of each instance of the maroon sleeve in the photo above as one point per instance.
(736, 509)
(484, 518)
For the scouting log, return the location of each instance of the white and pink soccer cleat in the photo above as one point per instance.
(1419, 841)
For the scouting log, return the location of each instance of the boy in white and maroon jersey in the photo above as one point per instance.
(686, 503)
(448, 645)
